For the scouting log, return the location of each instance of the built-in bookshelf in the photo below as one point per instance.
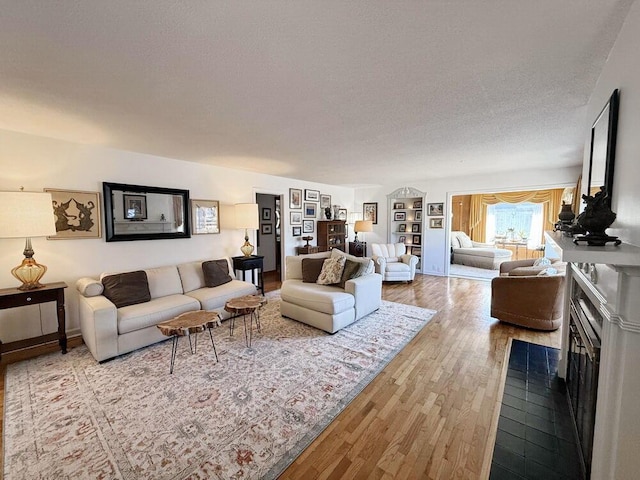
(406, 220)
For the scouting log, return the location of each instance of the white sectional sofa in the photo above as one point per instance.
(109, 331)
(464, 251)
(329, 307)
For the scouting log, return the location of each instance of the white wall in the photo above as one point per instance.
(37, 163)
(435, 250)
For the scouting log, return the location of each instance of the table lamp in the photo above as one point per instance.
(27, 214)
(362, 226)
(247, 218)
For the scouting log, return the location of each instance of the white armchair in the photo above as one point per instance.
(393, 262)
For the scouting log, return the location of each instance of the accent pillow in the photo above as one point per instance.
(125, 289)
(216, 273)
(332, 269)
(311, 268)
(351, 270)
(465, 241)
(544, 261)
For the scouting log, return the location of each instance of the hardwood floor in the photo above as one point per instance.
(431, 412)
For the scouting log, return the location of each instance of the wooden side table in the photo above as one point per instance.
(251, 263)
(358, 249)
(52, 292)
(306, 250)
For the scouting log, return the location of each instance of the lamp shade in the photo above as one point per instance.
(26, 214)
(247, 215)
(363, 226)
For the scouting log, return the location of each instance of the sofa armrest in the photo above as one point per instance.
(380, 263)
(367, 291)
(99, 326)
(506, 267)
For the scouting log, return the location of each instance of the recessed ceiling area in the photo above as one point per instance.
(344, 93)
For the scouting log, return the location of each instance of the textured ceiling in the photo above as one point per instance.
(337, 92)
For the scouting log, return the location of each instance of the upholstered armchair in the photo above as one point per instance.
(528, 296)
(393, 262)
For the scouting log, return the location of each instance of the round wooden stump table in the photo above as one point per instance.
(189, 323)
(248, 305)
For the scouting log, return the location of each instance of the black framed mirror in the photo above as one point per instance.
(603, 149)
(138, 212)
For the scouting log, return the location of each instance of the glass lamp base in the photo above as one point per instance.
(29, 272)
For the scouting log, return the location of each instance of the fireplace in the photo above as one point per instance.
(583, 364)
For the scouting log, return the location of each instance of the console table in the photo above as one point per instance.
(52, 292)
(251, 263)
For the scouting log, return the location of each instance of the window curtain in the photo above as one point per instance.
(551, 200)
(177, 211)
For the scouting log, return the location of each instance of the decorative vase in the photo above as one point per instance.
(566, 215)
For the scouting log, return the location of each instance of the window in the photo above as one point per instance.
(515, 221)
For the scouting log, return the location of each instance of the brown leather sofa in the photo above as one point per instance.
(521, 296)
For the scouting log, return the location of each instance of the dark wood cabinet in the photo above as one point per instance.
(332, 234)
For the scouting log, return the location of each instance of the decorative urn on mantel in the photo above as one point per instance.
(595, 219)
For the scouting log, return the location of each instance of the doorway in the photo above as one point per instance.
(270, 236)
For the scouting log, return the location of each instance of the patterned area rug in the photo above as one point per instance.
(248, 416)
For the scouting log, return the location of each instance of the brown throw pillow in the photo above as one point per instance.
(125, 289)
(351, 270)
(216, 273)
(311, 268)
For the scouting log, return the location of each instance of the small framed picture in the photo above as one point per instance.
(417, 204)
(342, 214)
(370, 212)
(135, 207)
(310, 210)
(416, 240)
(295, 198)
(415, 228)
(205, 217)
(297, 231)
(266, 214)
(295, 218)
(311, 195)
(399, 216)
(398, 206)
(402, 239)
(436, 223)
(325, 201)
(418, 216)
(417, 251)
(308, 226)
(77, 214)
(402, 227)
(435, 209)
(266, 229)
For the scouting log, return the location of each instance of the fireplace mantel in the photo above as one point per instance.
(610, 275)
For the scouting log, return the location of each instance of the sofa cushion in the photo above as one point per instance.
(215, 298)
(485, 252)
(164, 281)
(329, 299)
(311, 268)
(148, 314)
(216, 273)
(366, 261)
(128, 288)
(351, 270)
(331, 270)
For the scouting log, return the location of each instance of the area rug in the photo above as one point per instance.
(247, 416)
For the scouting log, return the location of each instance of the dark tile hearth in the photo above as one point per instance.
(535, 437)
